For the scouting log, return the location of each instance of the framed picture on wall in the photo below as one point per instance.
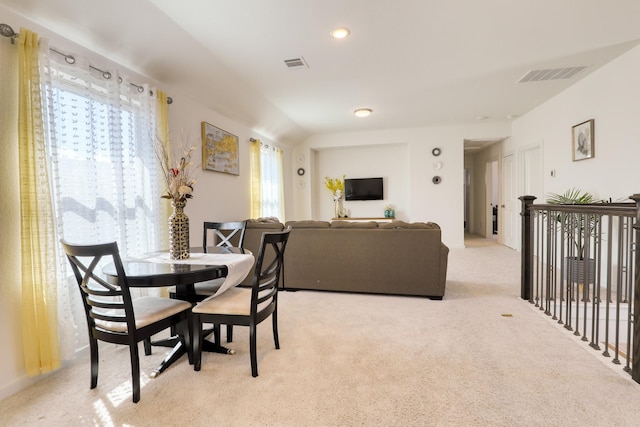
(219, 150)
(582, 140)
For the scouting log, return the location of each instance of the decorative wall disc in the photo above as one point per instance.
(436, 180)
(300, 171)
(436, 151)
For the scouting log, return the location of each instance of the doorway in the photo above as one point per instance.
(492, 185)
(509, 207)
(482, 182)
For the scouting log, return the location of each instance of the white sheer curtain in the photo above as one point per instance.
(106, 186)
(271, 182)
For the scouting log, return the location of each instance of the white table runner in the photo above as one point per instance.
(238, 265)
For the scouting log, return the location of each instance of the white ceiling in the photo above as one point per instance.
(414, 62)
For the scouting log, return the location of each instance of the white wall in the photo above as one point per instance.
(387, 161)
(609, 96)
(403, 155)
(217, 196)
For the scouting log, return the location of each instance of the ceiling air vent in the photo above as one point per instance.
(296, 63)
(550, 74)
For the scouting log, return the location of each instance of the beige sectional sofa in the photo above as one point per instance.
(395, 258)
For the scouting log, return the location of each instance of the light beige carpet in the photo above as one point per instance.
(365, 360)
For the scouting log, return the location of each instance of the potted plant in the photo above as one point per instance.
(578, 230)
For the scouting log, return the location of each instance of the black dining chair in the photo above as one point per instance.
(229, 234)
(113, 316)
(226, 234)
(246, 306)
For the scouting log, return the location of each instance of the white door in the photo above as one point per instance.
(509, 209)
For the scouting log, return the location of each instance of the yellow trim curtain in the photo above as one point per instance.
(39, 276)
(267, 181)
(254, 162)
(162, 117)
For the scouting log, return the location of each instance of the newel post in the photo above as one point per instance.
(635, 365)
(526, 269)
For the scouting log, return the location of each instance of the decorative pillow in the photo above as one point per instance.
(354, 224)
(307, 224)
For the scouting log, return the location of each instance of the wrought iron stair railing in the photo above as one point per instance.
(580, 266)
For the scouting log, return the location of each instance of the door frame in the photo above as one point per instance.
(508, 213)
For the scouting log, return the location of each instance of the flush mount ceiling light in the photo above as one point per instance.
(340, 33)
(363, 112)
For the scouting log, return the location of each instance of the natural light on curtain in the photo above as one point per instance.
(162, 133)
(100, 130)
(267, 182)
(38, 240)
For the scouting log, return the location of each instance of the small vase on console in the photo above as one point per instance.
(389, 212)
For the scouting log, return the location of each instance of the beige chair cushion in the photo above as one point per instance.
(147, 310)
(235, 301)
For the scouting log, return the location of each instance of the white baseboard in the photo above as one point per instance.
(25, 381)
(18, 384)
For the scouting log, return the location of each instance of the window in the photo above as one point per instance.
(105, 179)
(267, 183)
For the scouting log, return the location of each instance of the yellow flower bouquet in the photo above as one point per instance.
(336, 186)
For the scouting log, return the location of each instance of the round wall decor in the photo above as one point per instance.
(300, 158)
(436, 180)
(436, 151)
(300, 171)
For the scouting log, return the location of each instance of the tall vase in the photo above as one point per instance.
(338, 212)
(178, 231)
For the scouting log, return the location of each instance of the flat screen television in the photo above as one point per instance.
(363, 189)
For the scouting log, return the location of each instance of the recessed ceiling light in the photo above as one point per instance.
(363, 112)
(511, 116)
(340, 33)
(481, 118)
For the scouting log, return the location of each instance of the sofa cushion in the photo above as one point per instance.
(308, 224)
(354, 224)
(269, 223)
(413, 225)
